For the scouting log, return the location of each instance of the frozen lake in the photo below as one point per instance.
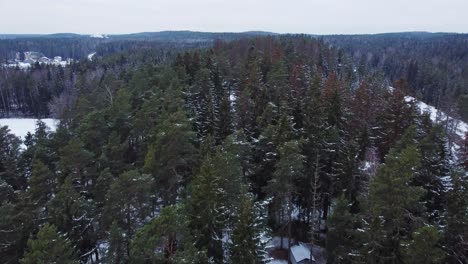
(21, 126)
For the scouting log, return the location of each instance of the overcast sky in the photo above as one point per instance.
(294, 16)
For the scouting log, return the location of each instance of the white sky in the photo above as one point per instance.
(294, 16)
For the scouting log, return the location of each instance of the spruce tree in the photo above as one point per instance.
(246, 245)
(341, 238)
(456, 232)
(394, 205)
(206, 214)
(282, 188)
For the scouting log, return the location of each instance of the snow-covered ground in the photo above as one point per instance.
(438, 116)
(278, 261)
(91, 55)
(21, 126)
(101, 36)
(27, 65)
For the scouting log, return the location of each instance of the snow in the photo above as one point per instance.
(101, 36)
(366, 165)
(301, 252)
(23, 65)
(437, 116)
(91, 55)
(276, 242)
(232, 98)
(278, 261)
(21, 126)
(27, 65)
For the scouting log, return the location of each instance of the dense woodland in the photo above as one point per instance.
(202, 156)
(434, 64)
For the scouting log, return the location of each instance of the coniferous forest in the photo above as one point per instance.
(234, 150)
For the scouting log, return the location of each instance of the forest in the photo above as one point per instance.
(206, 152)
(434, 64)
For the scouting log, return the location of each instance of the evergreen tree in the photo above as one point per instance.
(164, 239)
(76, 163)
(9, 151)
(42, 183)
(171, 155)
(73, 215)
(116, 253)
(394, 206)
(456, 233)
(206, 221)
(128, 204)
(49, 247)
(341, 238)
(423, 248)
(246, 246)
(435, 170)
(282, 188)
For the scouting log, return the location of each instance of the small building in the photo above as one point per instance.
(301, 254)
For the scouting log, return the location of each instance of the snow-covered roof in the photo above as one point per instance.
(301, 252)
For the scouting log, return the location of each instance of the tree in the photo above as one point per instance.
(246, 246)
(42, 183)
(394, 117)
(456, 232)
(289, 168)
(76, 163)
(394, 205)
(9, 157)
(128, 204)
(423, 249)
(206, 214)
(434, 171)
(73, 215)
(341, 240)
(49, 247)
(164, 238)
(116, 253)
(171, 155)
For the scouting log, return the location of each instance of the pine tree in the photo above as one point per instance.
(116, 253)
(73, 215)
(41, 182)
(49, 247)
(128, 204)
(76, 163)
(171, 155)
(423, 247)
(164, 238)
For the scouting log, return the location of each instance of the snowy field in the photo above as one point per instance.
(437, 116)
(21, 126)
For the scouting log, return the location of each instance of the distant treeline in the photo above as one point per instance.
(434, 64)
